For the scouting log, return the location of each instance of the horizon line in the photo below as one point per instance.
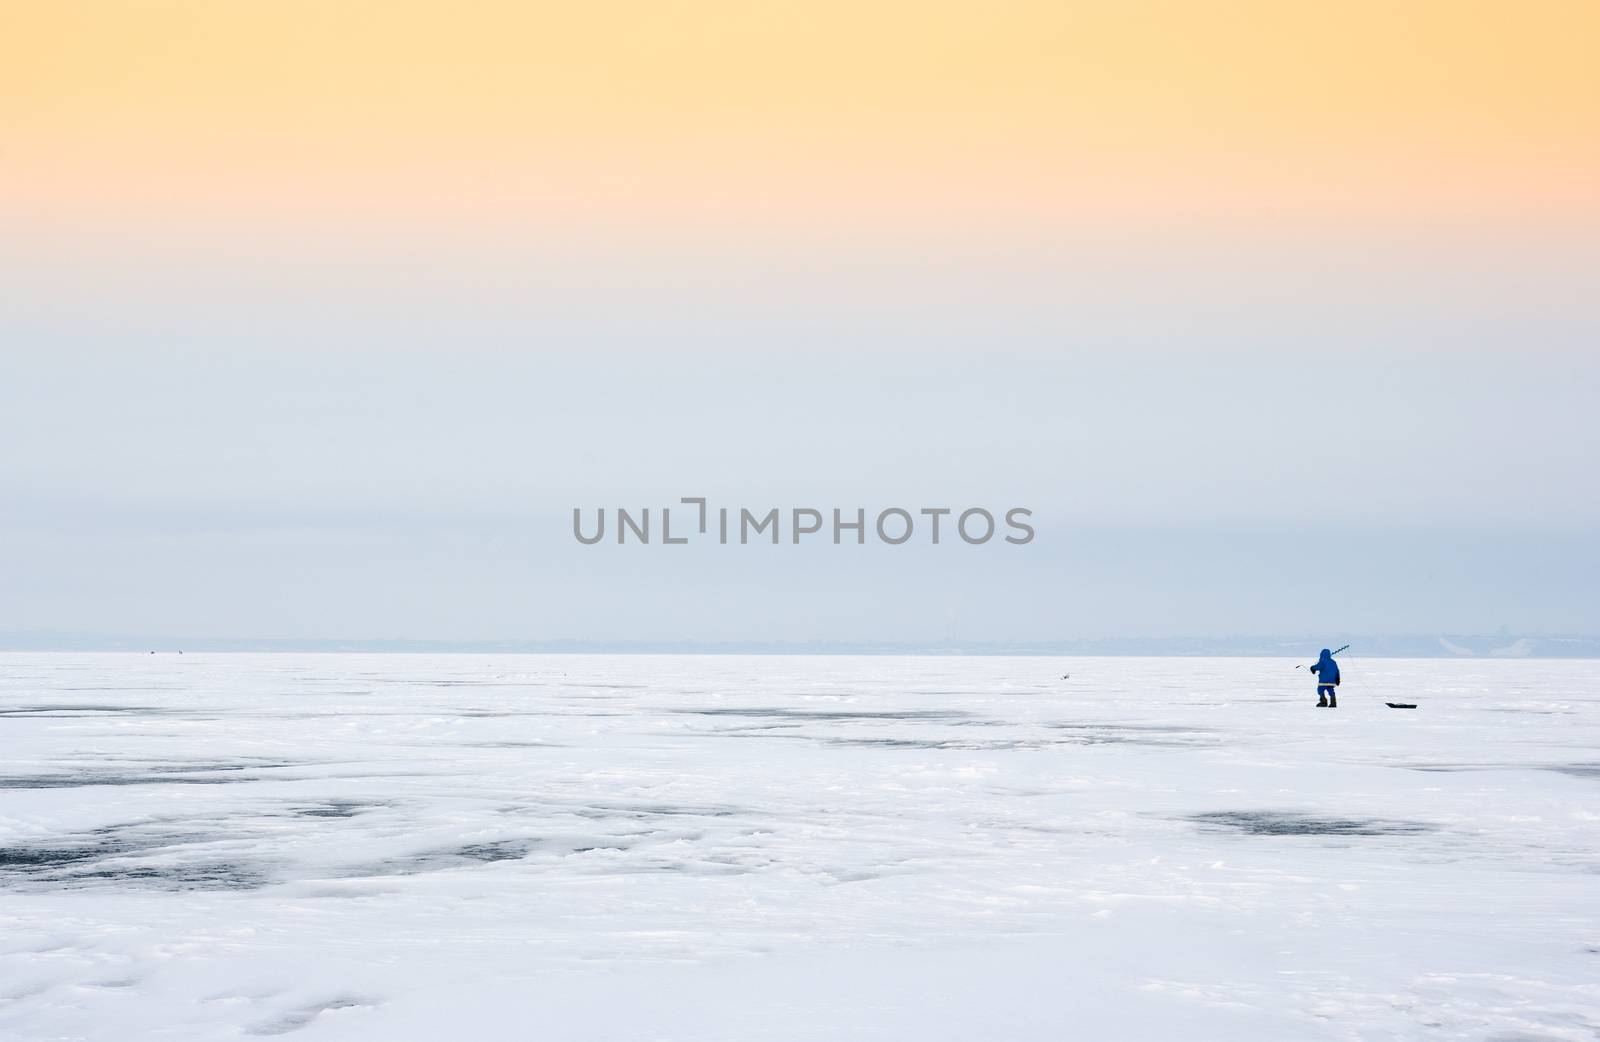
(1501, 645)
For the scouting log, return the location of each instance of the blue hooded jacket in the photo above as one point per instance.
(1326, 669)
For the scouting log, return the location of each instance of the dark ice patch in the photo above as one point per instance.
(296, 1019)
(45, 857)
(206, 766)
(1577, 770)
(114, 856)
(87, 779)
(1452, 768)
(500, 850)
(1286, 823)
(336, 809)
(1574, 770)
(204, 875)
(202, 773)
(640, 811)
(79, 710)
(453, 857)
(887, 743)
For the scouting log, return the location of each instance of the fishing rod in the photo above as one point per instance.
(1335, 652)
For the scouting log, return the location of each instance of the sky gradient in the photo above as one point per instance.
(666, 113)
(319, 319)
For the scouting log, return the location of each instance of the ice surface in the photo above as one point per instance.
(723, 848)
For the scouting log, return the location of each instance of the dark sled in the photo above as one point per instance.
(1401, 705)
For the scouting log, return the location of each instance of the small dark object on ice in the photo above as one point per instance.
(1401, 705)
(1066, 676)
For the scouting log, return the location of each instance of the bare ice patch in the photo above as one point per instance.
(1285, 823)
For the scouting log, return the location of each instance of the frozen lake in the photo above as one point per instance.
(411, 847)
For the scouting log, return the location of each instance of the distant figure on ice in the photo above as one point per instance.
(1327, 671)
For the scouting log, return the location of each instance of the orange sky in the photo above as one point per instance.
(665, 112)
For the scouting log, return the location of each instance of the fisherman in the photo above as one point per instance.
(1327, 671)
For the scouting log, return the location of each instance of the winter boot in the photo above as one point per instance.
(1333, 700)
(1322, 702)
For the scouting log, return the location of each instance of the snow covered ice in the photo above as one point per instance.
(398, 847)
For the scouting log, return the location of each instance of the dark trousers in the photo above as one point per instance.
(1326, 691)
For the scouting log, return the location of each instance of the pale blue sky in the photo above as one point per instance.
(1269, 437)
